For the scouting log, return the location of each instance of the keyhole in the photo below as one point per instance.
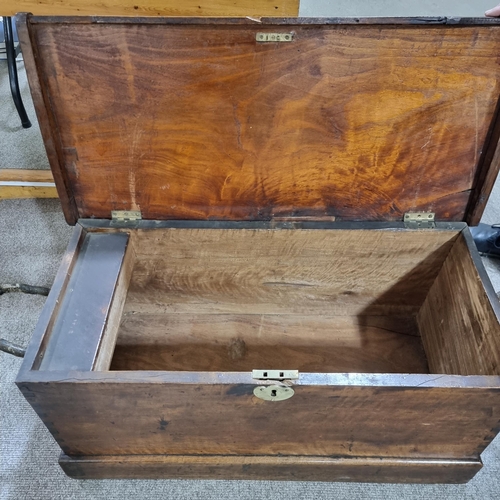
(273, 393)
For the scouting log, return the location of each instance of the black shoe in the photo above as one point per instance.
(487, 239)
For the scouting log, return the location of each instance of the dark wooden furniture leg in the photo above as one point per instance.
(11, 64)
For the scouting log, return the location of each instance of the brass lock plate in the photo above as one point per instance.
(273, 392)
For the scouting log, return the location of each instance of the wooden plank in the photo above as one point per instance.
(308, 224)
(46, 120)
(108, 340)
(153, 8)
(297, 468)
(74, 339)
(336, 272)
(270, 129)
(21, 183)
(25, 175)
(279, 21)
(154, 329)
(378, 380)
(11, 191)
(229, 343)
(115, 414)
(458, 323)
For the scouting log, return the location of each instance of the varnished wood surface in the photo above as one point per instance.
(270, 468)
(46, 120)
(459, 327)
(399, 418)
(328, 272)
(489, 165)
(302, 223)
(374, 380)
(106, 417)
(197, 121)
(152, 7)
(245, 342)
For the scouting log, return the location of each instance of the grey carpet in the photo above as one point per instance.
(33, 236)
(19, 148)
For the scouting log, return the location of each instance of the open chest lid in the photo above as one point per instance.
(254, 119)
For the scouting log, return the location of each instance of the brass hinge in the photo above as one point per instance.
(419, 220)
(126, 215)
(274, 37)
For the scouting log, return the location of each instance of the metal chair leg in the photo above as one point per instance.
(11, 64)
(5, 345)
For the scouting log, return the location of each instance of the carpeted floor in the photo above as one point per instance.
(19, 148)
(33, 236)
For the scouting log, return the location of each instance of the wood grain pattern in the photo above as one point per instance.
(459, 327)
(295, 468)
(198, 121)
(115, 415)
(152, 7)
(329, 272)
(246, 342)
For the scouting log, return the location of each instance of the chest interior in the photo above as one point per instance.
(313, 300)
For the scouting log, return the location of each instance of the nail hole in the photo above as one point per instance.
(265, 374)
(282, 374)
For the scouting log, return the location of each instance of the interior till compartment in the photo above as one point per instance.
(312, 300)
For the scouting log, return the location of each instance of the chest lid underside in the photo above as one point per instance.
(352, 119)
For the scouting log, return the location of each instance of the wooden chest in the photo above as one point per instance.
(257, 286)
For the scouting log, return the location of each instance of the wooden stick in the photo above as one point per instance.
(22, 183)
